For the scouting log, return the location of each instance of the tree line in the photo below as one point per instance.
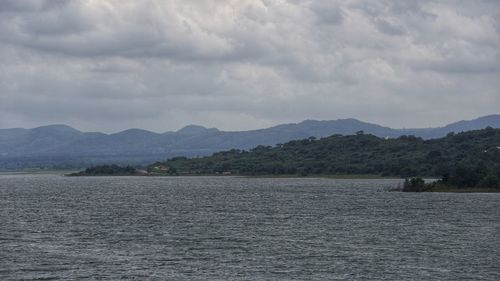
(464, 159)
(467, 159)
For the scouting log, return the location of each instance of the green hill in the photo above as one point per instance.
(474, 152)
(62, 147)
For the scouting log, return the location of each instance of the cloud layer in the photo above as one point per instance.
(240, 64)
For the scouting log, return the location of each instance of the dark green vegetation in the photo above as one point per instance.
(416, 184)
(471, 155)
(62, 147)
(107, 170)
(464, 160)
(461, 180)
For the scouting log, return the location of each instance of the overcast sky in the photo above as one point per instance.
(110, 65)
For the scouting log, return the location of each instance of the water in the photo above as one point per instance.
(228, 228)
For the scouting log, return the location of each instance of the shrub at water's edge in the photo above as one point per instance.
(461, 180)
(108, 170)
(416, 184)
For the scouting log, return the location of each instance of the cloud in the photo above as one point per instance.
(113, 64)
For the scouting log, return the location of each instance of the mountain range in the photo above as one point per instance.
(61, 146)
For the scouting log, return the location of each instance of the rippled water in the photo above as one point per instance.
(228, 228)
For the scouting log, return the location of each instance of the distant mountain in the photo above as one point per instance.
(193, 130)
(59, 146)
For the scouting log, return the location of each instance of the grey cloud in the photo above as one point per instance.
(29, 5)
(79, 29)
(387, 27)
(63, 20)
(159, 65)
(327, 12)
(463, 66)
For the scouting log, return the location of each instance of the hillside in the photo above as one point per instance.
(60, 146)
(477, 151)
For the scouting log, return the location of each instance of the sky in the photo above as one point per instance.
(110, 65)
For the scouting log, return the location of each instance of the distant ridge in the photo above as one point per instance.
(61, 146)
(195, 130)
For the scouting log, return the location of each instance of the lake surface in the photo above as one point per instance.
(229, 228)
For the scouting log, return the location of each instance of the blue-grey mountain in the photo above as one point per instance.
(60, 146)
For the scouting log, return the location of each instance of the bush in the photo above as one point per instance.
(489, 181)
(416, 184)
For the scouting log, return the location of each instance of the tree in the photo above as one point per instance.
(416, 184)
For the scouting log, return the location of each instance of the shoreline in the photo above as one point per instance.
(38, 172)
(342, 176)
(67, 173)
(464, 190)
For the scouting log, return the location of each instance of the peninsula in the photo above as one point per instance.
(464, 160)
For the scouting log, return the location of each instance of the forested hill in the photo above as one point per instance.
(475, 151)
(63, 147)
